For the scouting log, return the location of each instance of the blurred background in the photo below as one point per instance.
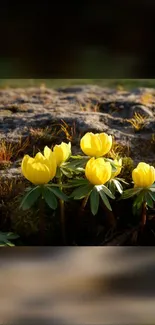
(108, 39)
(55, 83)
(77, 286)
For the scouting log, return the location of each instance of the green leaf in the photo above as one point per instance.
(105, 200)
(57, 185)
(50, 198)
(81, 191)
(152, 188)
(139, 200)
(94, 201)
(111, 186)
(136, 210)
(67, 173)
(131, 192)
(79, 157)
(105, 190)
(11, 235)
(149, 200)
(121, 180)
(4, 236)
(152, 194)
(118, 186)
(59, 193)
(30, 198)
(58, 172)
(10, 244)
(110, 160)
(28, 188)
(78, 182)
(73, 165)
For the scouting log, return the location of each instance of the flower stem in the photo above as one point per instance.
(111, 220)
(62, 214)
(42, 222)
(81, 212)
(143, 219)
(85, 200)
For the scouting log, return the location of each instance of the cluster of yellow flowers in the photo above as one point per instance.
(98, 171)
(42, 168)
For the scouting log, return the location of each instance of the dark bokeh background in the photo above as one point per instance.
(106, 39)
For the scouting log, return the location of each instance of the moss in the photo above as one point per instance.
(25, 223)
(28, 224)
(118, 150)
(127, 168)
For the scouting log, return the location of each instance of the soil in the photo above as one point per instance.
(31, 118)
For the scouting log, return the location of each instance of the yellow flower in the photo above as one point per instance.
(40, 169)
(96, 145)
(118, 165)
(62, 152)
(143, 175)
(97, 171)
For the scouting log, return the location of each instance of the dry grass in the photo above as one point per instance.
(6, 151)
(70, 132)
(48, 133)
(120, 88)
(138, 121)
(153, 138)
(54, 132)
(147, 99)
(89, 107)
(9, 151)
(11, 188)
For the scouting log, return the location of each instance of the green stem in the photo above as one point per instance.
(81, 212)
(111, 220)
(143, 220)
(85, 200)
(62, 214)
(42, 222)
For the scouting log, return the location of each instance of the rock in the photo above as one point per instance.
(143, 110)
(102, 110)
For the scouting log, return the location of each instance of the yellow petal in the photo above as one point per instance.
(62, 152)
(106, 141)
(86, 144)
(96, 145)
(38, 173)
(98, 171)
(118, 165)
(143, 166)
(39, 158)
(50, 160)
(143, 175)
(48, 154)
(151, 175)
(25, 161)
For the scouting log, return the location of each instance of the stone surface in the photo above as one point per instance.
(90, 108)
